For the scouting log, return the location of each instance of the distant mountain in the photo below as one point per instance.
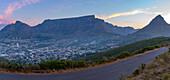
(2, 26)
(157, 27)
(85, 26)
(122, 30)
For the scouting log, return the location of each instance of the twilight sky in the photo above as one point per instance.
(135, 13)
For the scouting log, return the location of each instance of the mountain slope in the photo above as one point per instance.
(2, 26)
(157, 27)
(121, 30)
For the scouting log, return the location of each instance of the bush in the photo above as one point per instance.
(166, 76)
(143, 66)
(123, 55)
(136, 72)
(146, 49)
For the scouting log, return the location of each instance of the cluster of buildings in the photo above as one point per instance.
(34, 50)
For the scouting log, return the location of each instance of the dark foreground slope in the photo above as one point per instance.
(109, 72)
(159, 69)
(130, 48)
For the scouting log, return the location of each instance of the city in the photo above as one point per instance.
(35, 50)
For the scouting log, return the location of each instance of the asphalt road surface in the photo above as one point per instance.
(109, 72)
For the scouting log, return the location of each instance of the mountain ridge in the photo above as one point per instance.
(84, 26)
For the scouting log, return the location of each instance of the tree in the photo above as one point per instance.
(20, 66)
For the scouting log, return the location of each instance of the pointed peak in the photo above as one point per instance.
(159, 17)
(158, 20)
(18, 22)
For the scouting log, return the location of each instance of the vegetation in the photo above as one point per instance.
(123, 55)
(131, 48)
(159, 69)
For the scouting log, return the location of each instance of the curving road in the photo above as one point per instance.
(109, 72)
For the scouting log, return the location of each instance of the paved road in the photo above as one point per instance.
(109, 72)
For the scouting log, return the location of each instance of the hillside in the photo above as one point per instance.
(85, 26)
(159, 69)
(157, 27)
(130, 48)
(2, 26)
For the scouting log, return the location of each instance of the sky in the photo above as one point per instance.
(134, 13)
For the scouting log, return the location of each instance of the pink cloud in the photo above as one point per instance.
(17, 5)
(1, 17)
(6, 21)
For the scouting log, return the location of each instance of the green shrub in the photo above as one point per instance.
(123, 55)
(166, 76)
(157, 46)
(136, 72)
(143, 66)
(122, 77)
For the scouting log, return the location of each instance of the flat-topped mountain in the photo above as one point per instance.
(85, 26)
(157, 27)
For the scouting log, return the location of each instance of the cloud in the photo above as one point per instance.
(1, 17)
(12, 7)
(134, 12)
(17, 5)
(6, 21)
(124, 14)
